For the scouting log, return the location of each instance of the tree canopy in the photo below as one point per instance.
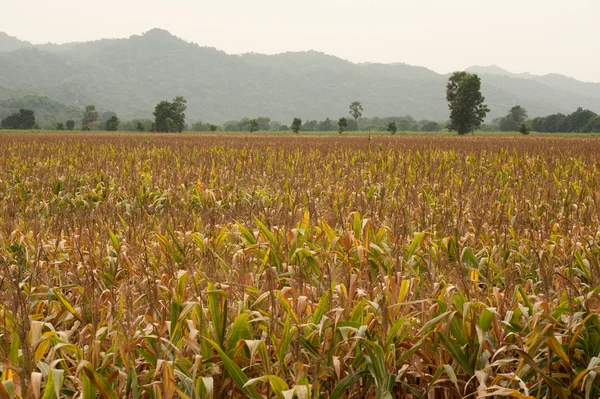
(89, 121)
(513, 121)
(170, 116)
(342, 123)
(296, 125)
(466, 103)
(254, 126)
(112, 124)
(392, 128)
(577, 121)
(22, 120)
(356, 110)
(593, 125)
(580, 120)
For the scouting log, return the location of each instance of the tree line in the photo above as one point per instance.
(403, 123)
(463, 93)
(580, 121)
(170, 117)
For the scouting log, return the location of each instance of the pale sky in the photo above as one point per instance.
(537, 36)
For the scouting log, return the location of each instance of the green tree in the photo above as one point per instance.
(356, 110)
(431, 127)
(60, 126)
(550, 124)
(104, 117)
(162, 112)
(275, 126)
(112, 124)
(524, 129)
(199, 126)
(179, 107)
(231, 126)
(90, 118)
(310, 126)
(170, 116)
(70, 124)
(172, 125)
(515, 118)
(213, 128)
(253, 126)
(593, 125)
(392, 128)
(342, 124)
(22, 120)
(296, 125)
(466, 103)
(135, 125)
(264, 123)
(518, 113)
(577, 121)
(327, 125)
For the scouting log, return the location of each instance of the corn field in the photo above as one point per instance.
(187, 266)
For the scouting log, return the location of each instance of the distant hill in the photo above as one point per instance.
(495, 70)
(6, 93)
(47, 111)
(130, 76)
(553, 80)
(9, 43)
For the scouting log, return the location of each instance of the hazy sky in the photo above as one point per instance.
(538, 36)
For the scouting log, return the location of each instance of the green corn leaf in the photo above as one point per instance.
(412, 248)
(239, 377)
(346, 383)
(277, 384)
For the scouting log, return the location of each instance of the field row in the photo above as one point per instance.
(160, 266)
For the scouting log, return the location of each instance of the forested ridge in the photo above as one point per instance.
(130, 76)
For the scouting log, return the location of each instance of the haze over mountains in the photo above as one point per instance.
(130, 76)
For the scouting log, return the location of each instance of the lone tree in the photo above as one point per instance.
(60, 126)
(296, 125)
(140, 127)
(170, 116)
(431, 127)
(112, 124)
(524, 129)
(342, 124)
(213, 128)
(254, 126)
(356, 110)
(392, 128)
(90, 118)
(70, 124)
(467, 110)
(22, 120)
(515, 118)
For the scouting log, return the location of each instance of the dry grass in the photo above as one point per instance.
(161, 266)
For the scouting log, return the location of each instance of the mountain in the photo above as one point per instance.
(9, 43)
(553, 80)
(130, 76)
(493, 70)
